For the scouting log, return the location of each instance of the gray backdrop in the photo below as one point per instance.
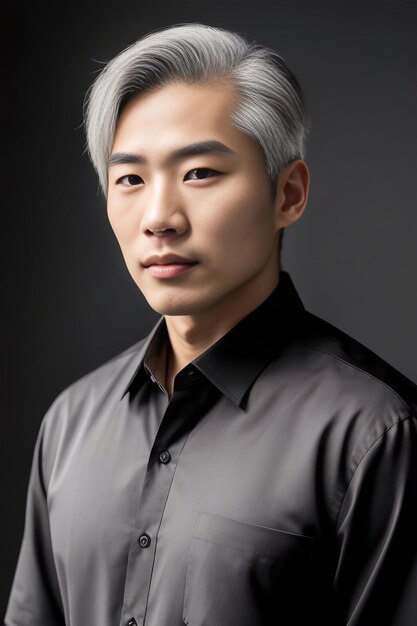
(68, 302)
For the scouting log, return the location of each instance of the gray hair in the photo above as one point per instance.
(271, 106)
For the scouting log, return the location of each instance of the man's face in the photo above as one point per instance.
(197, 229)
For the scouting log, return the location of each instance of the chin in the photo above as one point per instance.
(173, 304)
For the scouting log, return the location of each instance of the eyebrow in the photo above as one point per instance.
(194, 149)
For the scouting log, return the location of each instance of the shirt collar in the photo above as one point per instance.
(140, 375)
(234, 362)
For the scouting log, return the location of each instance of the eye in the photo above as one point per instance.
(130, 180)
(201, 173)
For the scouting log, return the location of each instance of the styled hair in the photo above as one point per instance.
(270, 106)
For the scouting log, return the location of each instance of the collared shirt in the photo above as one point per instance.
(277, 485)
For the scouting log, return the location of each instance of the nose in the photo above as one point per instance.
(164, 213)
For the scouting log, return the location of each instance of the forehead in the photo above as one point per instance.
(177, 111)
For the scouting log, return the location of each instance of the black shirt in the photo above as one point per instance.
(276, 486)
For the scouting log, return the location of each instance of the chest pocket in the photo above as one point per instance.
(241, 574)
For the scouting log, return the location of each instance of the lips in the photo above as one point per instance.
(167, 259)
(168, 265)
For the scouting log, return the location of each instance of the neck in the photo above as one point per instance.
(191, 335)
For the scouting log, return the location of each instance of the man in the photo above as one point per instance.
(246, 463)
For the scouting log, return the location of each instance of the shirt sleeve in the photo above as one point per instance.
(35, 598)
(376, 578)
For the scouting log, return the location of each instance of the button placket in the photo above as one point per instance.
(171, 435)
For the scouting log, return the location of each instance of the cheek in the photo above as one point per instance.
(238, 219)
(123, 221)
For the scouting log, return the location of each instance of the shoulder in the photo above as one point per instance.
(84, 399)
(111, 376)
(350, 365)
(349, 404)
(353, 395)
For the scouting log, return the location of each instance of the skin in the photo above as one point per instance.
(216, 209)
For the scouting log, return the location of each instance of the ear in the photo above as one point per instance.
(292, 193)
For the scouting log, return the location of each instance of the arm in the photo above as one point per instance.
(376, 579)
(35, 598)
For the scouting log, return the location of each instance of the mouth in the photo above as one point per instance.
(168, 266)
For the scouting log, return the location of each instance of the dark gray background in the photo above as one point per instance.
(68, 302)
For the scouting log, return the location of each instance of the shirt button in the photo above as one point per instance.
(165, 457)
(132, 622)
(144, 541)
